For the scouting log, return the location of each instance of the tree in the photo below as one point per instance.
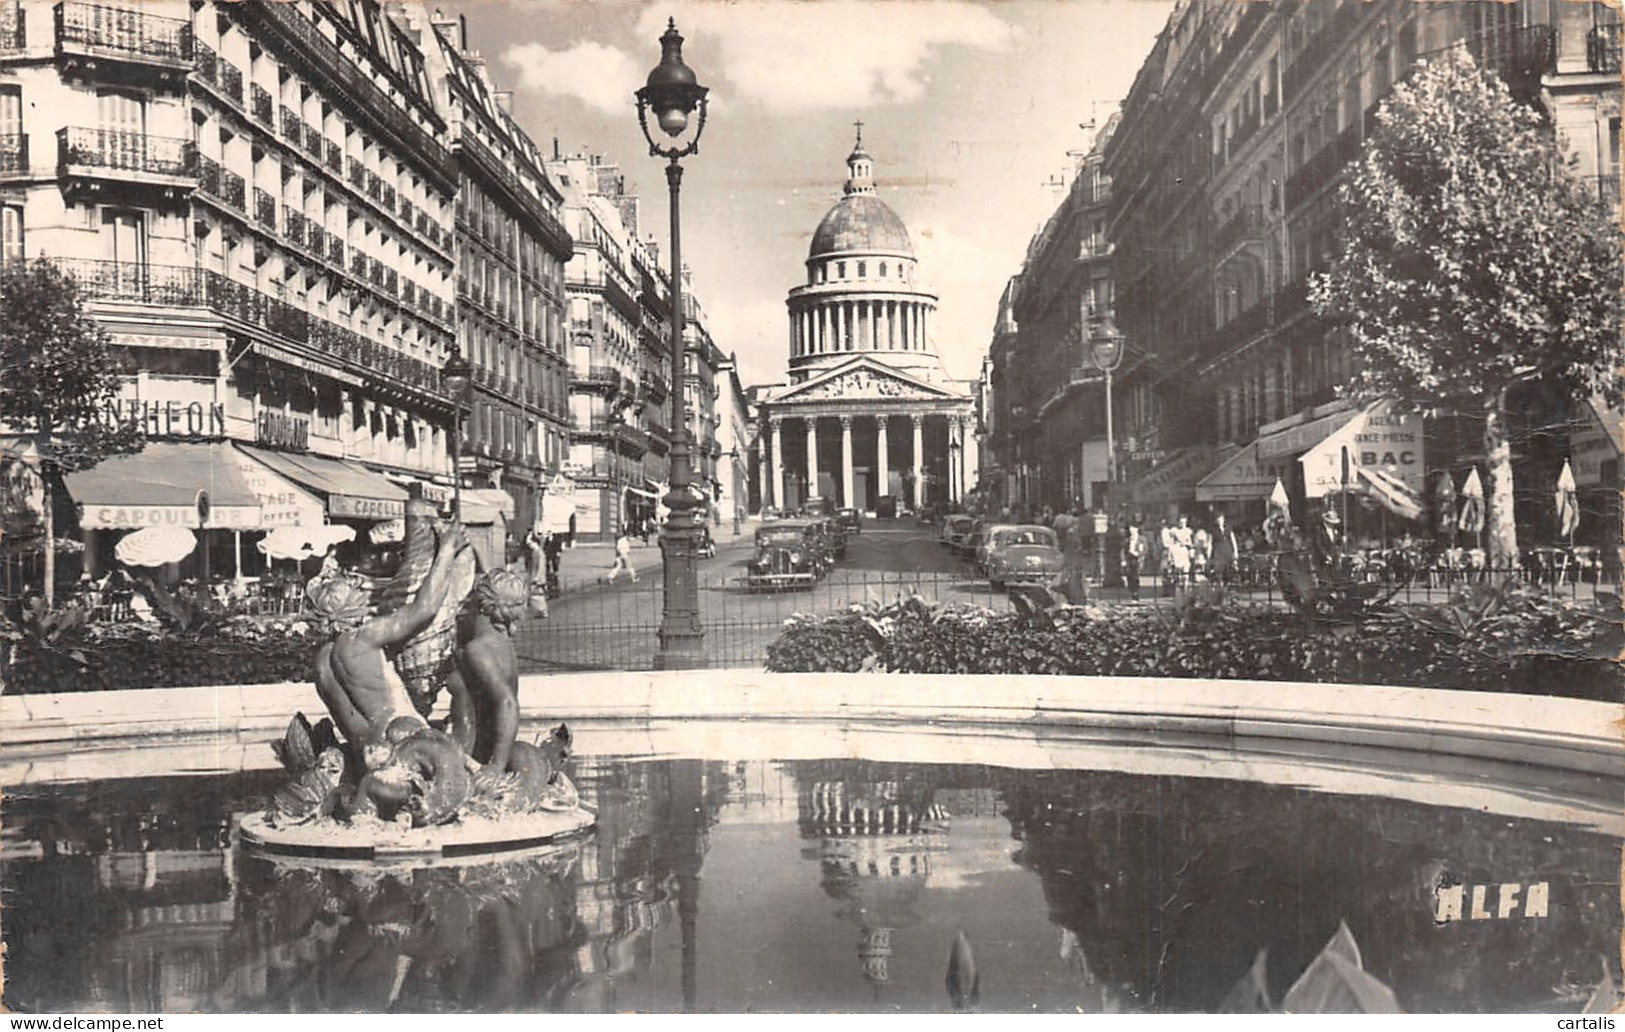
(60, 377)
(1472, 260)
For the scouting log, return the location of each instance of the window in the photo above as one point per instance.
(863, 269)
(840, 270)
(11, 232)
(11, 114)
(882, 270)
(124, 237)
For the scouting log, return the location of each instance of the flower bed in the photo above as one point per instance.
(92, 657)
(1508, 640)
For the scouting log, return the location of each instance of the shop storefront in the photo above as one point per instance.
(196, 486)
(1594, 456)
(1170, 488)
(347, 495)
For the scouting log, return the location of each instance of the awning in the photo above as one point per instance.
(166, 484)
(1174, 479)
(1299, 435)
(483, 505)
(1394, 494)
(283, 503)
(651, 490)
(1243, 477)
(1594, 442)
(1376, 438)
(350, 491)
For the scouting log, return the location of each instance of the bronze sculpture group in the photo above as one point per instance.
(379, 758)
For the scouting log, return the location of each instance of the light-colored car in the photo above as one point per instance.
(955, 529)
(1024, 554)
(985, 542)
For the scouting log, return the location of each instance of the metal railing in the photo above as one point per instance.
(126, 151)
(264, 208)
(1602, 48)
(132, 281)
(598, 626)
(13, 153)
(260, 104)
(221, 183)
(123, 31)
(13, 27)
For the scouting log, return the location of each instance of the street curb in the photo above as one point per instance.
(1564, 734)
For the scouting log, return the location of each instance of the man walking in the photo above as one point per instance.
(623, 558)
(1225, 550)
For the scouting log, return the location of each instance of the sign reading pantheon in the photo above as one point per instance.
(868, 409)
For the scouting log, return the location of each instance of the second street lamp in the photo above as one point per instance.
(457, 373)
(673, 94)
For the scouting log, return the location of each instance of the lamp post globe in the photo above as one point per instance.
(673, 94)
(457, 373)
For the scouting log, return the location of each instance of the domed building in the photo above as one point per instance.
(868, 410)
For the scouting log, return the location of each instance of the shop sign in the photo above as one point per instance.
(281, 503)
(1243, 477)
(356, 507)
(436, 494)
(282, 432)
(194, 420)
(1376, 439)
(126, 517)
(1298, 439)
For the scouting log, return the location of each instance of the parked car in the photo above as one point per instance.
(955, 529)
(789, 554)
(886, 507)
(1024, 554)
(851, 519)
(925, 516)
(984, 541)
(834, 535)
(771, 513)
(818, 505)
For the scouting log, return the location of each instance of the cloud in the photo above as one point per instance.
(791, 55)
(600, 76)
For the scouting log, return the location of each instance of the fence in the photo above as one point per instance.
(594, 626)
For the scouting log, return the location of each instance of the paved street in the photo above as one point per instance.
(597, 625)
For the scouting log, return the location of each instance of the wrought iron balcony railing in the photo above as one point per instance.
(293, 127)
(13, 27)
(260, 104)
(264, 208)
(123, 32)
(335, 251)
(231, 82)
(13, 153)
(221, 183)
(126, 152)
(1602, 48)
(313, 142)
(333, 157)
(132, 281)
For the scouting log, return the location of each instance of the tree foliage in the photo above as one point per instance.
(60, 373)
(1472, 256)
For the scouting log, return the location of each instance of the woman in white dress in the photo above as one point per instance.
(1178, 546)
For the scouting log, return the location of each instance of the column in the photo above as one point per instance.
(764, 477)
(891, 325)
(919, 455)
(956, 457)
(846, 461)
(953, 459)
(882, 456)
(821, 313)
(903, 324)
(812, 456)
(773, 490)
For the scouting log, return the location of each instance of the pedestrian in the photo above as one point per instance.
(553, 552)
(1177, 547)
(1226, 550)
(623, 558)
(1201, 551)
(645, 526)
(1133, 553)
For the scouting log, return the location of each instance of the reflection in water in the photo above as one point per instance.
(1075, 890)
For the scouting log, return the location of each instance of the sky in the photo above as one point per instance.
(969, 110)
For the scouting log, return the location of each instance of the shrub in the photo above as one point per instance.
(1488, 640)
(94, 657)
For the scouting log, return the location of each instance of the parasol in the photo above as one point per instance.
(1471, 520)
(155, 546)
(1568, 503)
(387, 532)
(301, 543)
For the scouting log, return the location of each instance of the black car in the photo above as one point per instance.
(851, 519)
(789, 554)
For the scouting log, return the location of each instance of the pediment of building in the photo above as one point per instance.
(864, 379)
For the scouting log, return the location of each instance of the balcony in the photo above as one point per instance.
(597, 378)
(264, 209)
(1246, 224)
(1519, 55)
(1602, 49)
(99, 41)
(655, 386)
(333, 158)
(13, 27)
(293, 227)
(13, 154)
(315, 238)
(356, 174)
(221, 184)
(231, 82)
(313, 142)
(1243, 328)
(335, 251)
(260, 105)
(131, 281)
(132, 160)
(293, 127)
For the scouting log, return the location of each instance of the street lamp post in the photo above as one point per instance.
(457, 373)
(1106, 348)
(673, 94)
